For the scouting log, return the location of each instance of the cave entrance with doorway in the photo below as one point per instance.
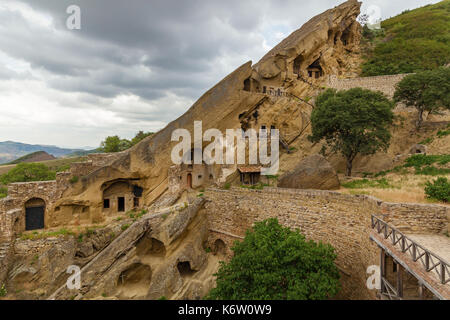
(34, 214)
(121, 204)
(189, 180)
(315, 70)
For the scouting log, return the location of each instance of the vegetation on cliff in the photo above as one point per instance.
(352, 122)
(413, 41)
(276, 263)
(116, 144)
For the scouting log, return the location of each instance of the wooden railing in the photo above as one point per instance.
(430, 261)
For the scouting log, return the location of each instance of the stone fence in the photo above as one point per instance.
(385, 84)
(339, 219)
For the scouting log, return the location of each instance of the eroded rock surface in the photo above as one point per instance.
(314, 172)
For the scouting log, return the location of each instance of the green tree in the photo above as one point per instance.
(141, 135)
(115, 144)
(26, 172)
(276, 263)
(427, 91)
(352, 122)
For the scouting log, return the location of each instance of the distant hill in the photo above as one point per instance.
(415, 40)
(34, 157)
(10, 151)
(82, 153)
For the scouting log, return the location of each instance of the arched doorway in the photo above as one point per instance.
(220, 248)
(34, 214)
(189, 180)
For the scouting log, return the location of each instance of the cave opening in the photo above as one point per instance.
(345, 37)
(184, 268)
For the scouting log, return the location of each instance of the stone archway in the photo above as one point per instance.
(34, 214)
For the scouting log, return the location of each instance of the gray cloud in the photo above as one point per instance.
(163, 53)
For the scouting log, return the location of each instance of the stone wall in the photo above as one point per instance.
(12, 208)
(385, 84)
(341, 220)
(104, 159)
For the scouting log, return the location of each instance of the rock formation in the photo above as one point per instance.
(314, 172)
(273, 92)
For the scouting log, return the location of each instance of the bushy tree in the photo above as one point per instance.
(438, 189)
(141, 135)
(276, 263)
(427, 91)
(352, 122)
(115, 144)
(26, 172)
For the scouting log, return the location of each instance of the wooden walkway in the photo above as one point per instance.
(412, 253)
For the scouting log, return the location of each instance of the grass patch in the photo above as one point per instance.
(424, 164)
(444, 133)
(42, 235)
(74, 179)
(258, 186)
(366, 183)
(427, 140)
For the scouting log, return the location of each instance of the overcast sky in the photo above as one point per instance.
(134, 65)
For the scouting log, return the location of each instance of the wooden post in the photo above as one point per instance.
(399, 280)
(382, 269)
(421, 290)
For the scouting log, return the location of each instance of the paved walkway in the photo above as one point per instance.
(437, 244)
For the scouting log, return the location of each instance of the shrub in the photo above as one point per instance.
(74, 179)
(26, 172)
(438, 189)
(3, 291)
(276, 263)
(3, 192)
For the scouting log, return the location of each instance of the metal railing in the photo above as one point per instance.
(429, 260)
